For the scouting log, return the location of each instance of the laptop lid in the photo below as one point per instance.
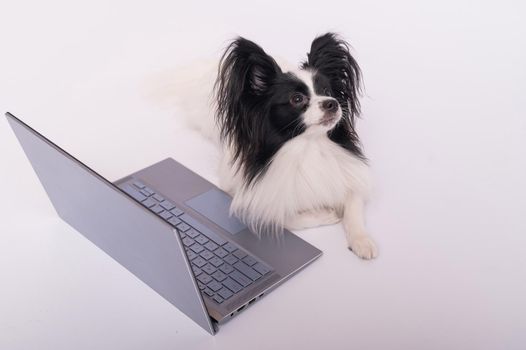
(139, 240)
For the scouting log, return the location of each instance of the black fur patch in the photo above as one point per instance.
(329, 55)
(254, 111)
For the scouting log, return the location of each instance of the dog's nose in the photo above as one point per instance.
(329, 105)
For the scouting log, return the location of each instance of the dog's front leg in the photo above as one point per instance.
(358, 239)
(313, 218)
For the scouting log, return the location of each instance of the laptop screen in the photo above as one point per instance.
(137, 239)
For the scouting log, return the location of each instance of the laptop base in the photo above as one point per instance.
(286, 254)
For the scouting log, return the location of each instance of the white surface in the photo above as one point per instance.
(444, 124)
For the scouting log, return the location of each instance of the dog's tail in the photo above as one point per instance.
(188, 90)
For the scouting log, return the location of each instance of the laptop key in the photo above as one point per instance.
(167, 205)
(209, 269)
(219, 276)
(192, 233)
(229, 247)
(210, 245)
(174, 221)
(208, 292)
(206, 254)
(183, 227)
(247, 270)
(218, 299)
(177, 211)
(145, 193)
(201, 239)
(240, 254)
(157, 209)
(149, 202)
(240, 278)
(214, 285)
(199, 262)
(148, 190)
(165, 215)
(197, 271)
(220, 252)
(200, 285)
(158, 197)
(138, 184)
(226, 268)
(191, 255)
(197, 248)
(230, 259)
(216, 261)
(188, 241)
(204, 278)
(224, 293)
(232, 285)
(262, 269)
(249, 260)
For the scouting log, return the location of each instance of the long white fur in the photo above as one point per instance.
(311, 181)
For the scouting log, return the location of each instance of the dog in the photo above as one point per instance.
(291, 156)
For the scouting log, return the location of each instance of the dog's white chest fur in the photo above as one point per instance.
(309, 172)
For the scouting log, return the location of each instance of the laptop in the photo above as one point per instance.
(169, 227)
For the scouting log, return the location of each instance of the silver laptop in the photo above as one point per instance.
(169, 227)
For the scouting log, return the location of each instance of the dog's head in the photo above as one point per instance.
(260, 107)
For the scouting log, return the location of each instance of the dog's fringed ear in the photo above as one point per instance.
(245, 71)
(330, 55)
(245, 68)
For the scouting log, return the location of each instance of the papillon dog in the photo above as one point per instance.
(291, 156)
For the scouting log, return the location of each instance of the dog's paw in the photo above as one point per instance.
(364, 247)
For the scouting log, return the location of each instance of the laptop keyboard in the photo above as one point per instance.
(221, 268)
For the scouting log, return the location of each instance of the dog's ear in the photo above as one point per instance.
(245, 74)
(245, 69)
(330, 55)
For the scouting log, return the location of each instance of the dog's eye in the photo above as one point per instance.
(327, 92)
(297, 99)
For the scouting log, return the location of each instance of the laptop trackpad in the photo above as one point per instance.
(215, 205)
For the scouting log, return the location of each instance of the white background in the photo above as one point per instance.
(444, 126)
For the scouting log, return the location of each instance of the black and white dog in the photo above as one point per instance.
(290, 153)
